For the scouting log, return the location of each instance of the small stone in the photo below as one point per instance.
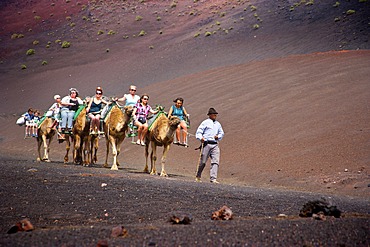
(118, 231)
(181, 218)
(224, 213)
(102, 243)
(282, 215)
(21, 226)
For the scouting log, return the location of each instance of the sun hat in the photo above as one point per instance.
(57, 96)
(72, 89)
(212, 111)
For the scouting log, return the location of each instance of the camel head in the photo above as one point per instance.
(129, 110)
(174, 121)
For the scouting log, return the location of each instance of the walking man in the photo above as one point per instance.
(209, 132)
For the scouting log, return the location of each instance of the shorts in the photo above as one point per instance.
(142, 120)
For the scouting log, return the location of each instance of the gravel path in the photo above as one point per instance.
(71, 205)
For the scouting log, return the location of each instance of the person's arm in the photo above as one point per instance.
(220, 133)
(121, 99)
(134, 113)
(65, 101)
(89, 104)
(79, 100)
(170, 111)
(104, 102)
(199, 132)
(185, 112)
(153, 111)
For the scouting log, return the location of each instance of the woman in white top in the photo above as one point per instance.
(70, 104)
(131, 98)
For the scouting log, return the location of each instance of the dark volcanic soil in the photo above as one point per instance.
(76, 206)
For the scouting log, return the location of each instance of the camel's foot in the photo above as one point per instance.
(38, 159)
(78, 161)
(114, 168)
(46, 160)
(146, 170)
(65, 160)
(106, 165)
(153, 173)
(163, 174)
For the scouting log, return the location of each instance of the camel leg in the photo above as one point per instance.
(76, 147)
(68, 147)
(86, 151)
(146, 170)
(95, 147)
(114, 152)
(163, 160)
(91, 145)
(107, 152)
(39, 142)
(46, 149)
(153, 158)
(77, 152)
(118, 147)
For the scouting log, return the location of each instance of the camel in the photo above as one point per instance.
(115, 128)
(81, 131)
(161, 133)
(94, 146)
(44, 136)
(80, 137)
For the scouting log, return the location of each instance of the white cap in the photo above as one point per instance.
(57, 96)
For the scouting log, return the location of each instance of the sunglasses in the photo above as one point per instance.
(145, 98)
(98, 93)
(133, 90)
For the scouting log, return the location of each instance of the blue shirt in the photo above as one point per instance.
(208, 129)
(178, 112)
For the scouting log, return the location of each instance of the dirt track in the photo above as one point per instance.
(70, 206)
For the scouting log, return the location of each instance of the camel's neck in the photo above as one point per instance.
(81, 119)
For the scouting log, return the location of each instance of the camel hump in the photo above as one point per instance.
(41, 121)
(107, 110)
(154, 117)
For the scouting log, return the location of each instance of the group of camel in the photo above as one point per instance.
(115, 126)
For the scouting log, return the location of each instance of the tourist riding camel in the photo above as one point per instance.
(141, 112)
(94, 108)
(179, 111)
(70, 105)
(130, 98)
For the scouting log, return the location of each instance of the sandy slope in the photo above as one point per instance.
(285, 126)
